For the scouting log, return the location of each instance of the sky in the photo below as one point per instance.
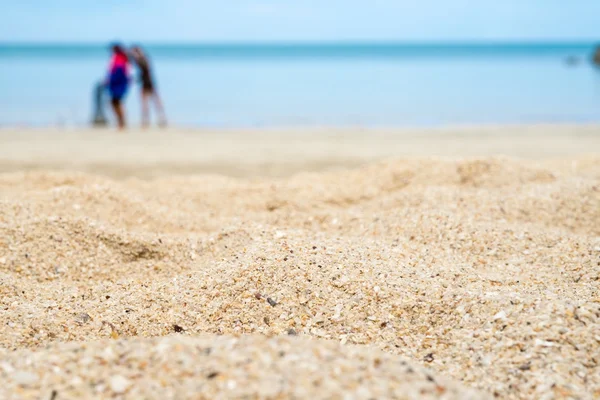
(299, 20)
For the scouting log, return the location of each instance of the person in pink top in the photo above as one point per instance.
(118, 81)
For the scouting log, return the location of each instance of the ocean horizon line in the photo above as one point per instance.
(303, 50)
(312, 43)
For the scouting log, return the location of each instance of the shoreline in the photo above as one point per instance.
(276, 152)
(485, 127)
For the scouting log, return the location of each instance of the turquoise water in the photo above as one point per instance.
(385, 84)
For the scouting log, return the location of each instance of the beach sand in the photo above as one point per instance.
(450, 263)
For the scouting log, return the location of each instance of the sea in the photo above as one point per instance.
(389, 84)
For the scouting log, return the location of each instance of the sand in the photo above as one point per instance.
(434, 265)
(275, 152)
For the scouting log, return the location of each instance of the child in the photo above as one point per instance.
(148, 88)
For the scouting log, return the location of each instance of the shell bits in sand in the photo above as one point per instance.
(408, 279)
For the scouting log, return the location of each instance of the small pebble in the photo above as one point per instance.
(212, 375)
(83, 318)
(25, 378)
(119, 384)
(544, 343)
(525, 367)
(7, 368)
(500, 315)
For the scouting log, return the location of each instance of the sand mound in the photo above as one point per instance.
(486, 271)
(220, 368)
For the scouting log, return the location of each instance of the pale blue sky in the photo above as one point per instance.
(308, 20)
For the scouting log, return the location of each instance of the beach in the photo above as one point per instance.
(448, 263)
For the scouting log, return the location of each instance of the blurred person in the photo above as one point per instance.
(99, 118)
(596, 56)
(118, 81)
(149, 91)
